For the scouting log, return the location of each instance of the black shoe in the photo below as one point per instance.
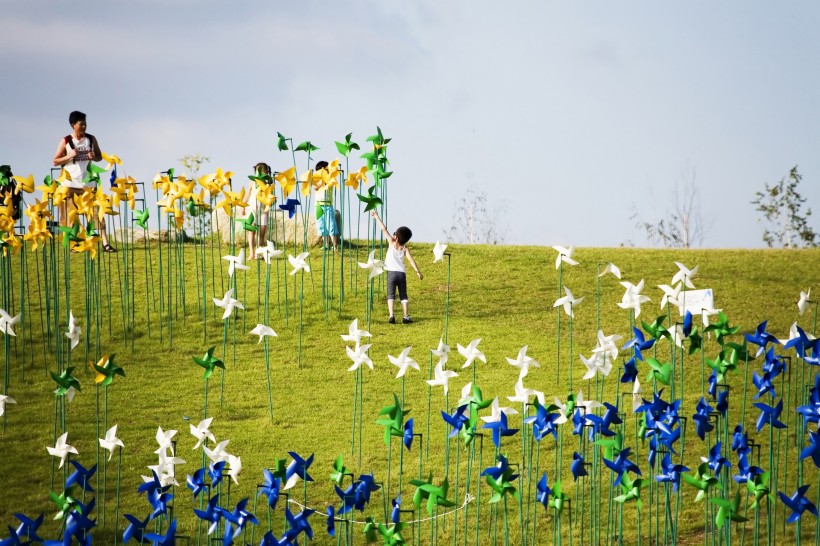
(392, 320)
(407, 320)
(109, 249)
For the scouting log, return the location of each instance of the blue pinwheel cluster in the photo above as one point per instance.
(357, 495)
(661, 424)
(543, 422)
(235, 520)
(158, 497)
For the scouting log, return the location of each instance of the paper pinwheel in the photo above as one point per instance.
(441, 377)
(716, 461)
(564, 255)
(111, 441)
(745, 471)
(611, 268)
(248, 223)
(5, 400)
(671, 295)
(209, 362)
(106, 370)
(803, 302)
(721, 328)
(408, 434)
(298, 524)
(268, 251)
(270, 488)
(543, 422)
(701, 480)
(216, 471)
(6, 323)
(261, 330)
(684, 275)
(631, 490)
(568, 302)
(632, 298)
(598, 363)
(339, 471)
(66, 383)
(798, 504)
(81, 477)
(196, 483)
(523, 394)
(393, 422)
(299, 262)
(559, 498)
(359, 356)
(500, 478)
(290, 206)
(457, 420)
(61, 449)
(670, 473)
(403, 362)
(622, 465)
(813, 449)
(235, 467)
(298, 468)
(345, 147)
(761, 338)
(578, 466)
(141, 217)
(371, 200)
(769, 415)
(543, 492)
(228, 303)
(661, 372)
(500, 428)
(471, 353)
(759, 487)
(523, 362)
(438, 251)
(435, 495)
(74, 331)
(236, 263)
(201, 432)
(27, 530)
(355, 335)
(376, 267)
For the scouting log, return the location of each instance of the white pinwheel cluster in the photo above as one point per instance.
(602, 355)
(165, 469)
(673, 293)
(218, 454)
(359, 353)
(441, 377)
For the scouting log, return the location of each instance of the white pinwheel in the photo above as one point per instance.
(268, 251)
(403, 362)
(671, 295)
(228, 303)
(495, 412)
(607, 345)
(438, 252)
(523, 394)
(803, 302)
(471, 353)
(568, 302)
(442, 352)
(632, 298)
(61, 449)
(74, 331)
(164, 439)
(201, 432)
(111, 441)
(6, 323)
(218, 453)
(564, 255)
(236, 262)
(598, 363)
(235, 467)
(261, 330)
(523, 362)
(375, 266)
(684, 275)
(441, 377)
(588, 405)
(636, 395)
(5, 400)
(611, 268)
(359, 356)
(299, 262)
(354, 334)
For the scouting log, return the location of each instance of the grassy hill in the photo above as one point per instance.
(503, 295)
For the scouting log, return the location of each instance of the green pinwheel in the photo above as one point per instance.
(657, 330)
(728, 509)
(613, 445)
(305, 146)
(658, 371)
(279, 468)
(370, 530)
(759, 487)
(106, 370)
(65, 503)
(701, 480)
(209, 362)
(721, 328)
(90, 231)
(436, 495)
(502, 485)
(65, 381)
(281, 142)
(559, 498)
(726, 362)
(695, 341)
(141, 217)
(378, 139)
(475, 402)
(339, 471)
(93, 174)
(631, 490)
(345, 147)
(393, 422)
(70, 234)
(247, 223)
(391, 535)
(371, 200)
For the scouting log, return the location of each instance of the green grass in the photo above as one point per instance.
(503, 295)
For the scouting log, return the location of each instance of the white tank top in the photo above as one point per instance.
(394, 260)
(78, 167)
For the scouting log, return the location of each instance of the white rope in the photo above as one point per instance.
(467, 500)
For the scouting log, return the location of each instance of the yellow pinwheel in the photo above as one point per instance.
(87, 244)
(210, 183)
(119, 192)
(184, 189)
(64, 177)
(24, 184)
(111, 159)
(10, 242)
(357, 177)
(265, 194)
(306, 180)
(287, 179)
(163, 182)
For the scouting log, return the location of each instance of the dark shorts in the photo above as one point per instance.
(396, 279)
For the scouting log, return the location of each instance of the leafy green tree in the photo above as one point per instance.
(781, 205)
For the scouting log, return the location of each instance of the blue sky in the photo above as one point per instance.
(566, 114)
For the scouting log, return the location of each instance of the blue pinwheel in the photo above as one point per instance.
(212, 513)
(722, 405)
(769, 415)
(687, 324)
(168, 539)
(408, 434)
(298, 467)
(135, 529)
(151, 485)
(773, 364)
(761, 338)
(578, 466)
(395, 513)
(81, 476)
(764, 385)
(745, 471)
(543, 422)
(543, 492)
(78, 526)
(365, 487)
(331, 521)
(26, 532)
(638, 343)
(798, 504)
(298, 524)
(270, 488)
(239, 517)
(813, 449)
(630, 371)
(740, 441)
(348, 497)
(499, 469)
(457, 420)
(667, 436)
(215, 473)
(270, 540)
(159, 499)
(811, 411)
(713, 384)
(290, 206)
(500, 429)
(578, 422)
(715, 460)
(196, 483)
(622, 464)
(702, 419)
(670, 473)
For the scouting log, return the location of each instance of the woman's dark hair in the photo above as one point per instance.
(321, 165)
(75, 116)
(261, 168)
(403, 234)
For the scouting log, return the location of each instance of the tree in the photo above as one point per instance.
(781, 206)
(196, 225)
(474, 223)
(683, 224)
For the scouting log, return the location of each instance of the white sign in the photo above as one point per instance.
(695, 301)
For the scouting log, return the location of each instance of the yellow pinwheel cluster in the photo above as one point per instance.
(87, 242)
(124, 190)
(177, 192)
(214, 182)
(265, 194)
(39, 216)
